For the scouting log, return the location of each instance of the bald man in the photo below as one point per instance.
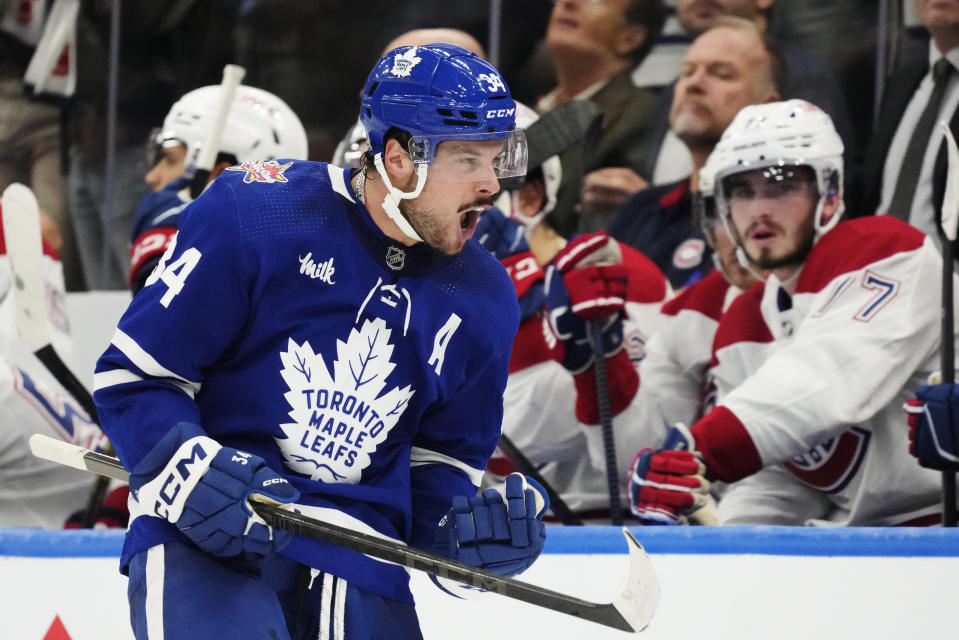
(350, 149)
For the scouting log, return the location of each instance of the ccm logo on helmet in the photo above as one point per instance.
(500, 113)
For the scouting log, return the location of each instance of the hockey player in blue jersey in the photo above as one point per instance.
(334, 339)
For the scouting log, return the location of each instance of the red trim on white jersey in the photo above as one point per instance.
(707, 296)
(727, 448)
(742, 322)
(853, 245)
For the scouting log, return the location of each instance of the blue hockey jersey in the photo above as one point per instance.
(287, 324)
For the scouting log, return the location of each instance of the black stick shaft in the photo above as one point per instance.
(606, 614)
(948, 371)
(556, 503)
(606, 423)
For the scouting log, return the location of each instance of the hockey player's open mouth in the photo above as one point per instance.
(469, 216)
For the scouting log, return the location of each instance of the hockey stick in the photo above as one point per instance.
(556, 504)
(232, 77)
(21, 225)
(632, 610)
(606, 422)
(949, 218)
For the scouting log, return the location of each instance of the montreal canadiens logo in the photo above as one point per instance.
(689, 254)
(831, 465)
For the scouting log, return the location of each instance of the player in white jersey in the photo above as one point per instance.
(550, 415)
(33, 492)
(838, 339)
(336, 339)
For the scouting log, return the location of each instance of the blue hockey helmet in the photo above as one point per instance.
(441, 92)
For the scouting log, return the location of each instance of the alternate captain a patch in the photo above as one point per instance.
(268, 171)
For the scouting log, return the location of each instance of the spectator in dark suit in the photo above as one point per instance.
(903, 179)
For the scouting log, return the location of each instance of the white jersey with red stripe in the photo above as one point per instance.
(540, 402)
(812, 384)
(674, 371)
(34, 492)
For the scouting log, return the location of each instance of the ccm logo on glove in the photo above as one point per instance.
(184, 470)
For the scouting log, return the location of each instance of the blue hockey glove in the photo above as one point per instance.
(486, 531)
(503, 236)
(933, 421)
(202, 487)
(506, 240)
(586, 282)
(667, 484)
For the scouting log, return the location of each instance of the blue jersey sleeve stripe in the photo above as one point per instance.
(105, 379)
(172, 211)
(420, 456)
(148, 364)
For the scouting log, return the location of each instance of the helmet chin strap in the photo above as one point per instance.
(391, 204)
(743, 261)
(818, 226)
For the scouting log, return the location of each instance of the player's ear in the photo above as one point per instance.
(833, 198)
(532, 197)
(397, 161)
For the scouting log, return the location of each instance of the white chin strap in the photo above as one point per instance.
(821, 228)
(743, 261)
(508, 203)
(391, 203)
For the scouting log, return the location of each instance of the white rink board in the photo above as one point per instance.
(716, 595)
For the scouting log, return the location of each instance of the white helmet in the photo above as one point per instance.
(349, 152)
(260, 126)
(552, 175)
(778, 134)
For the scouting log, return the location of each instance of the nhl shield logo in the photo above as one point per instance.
(395, 258)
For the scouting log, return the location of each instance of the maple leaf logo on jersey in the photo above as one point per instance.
(403, 63)
(268, 171)
(339, 420)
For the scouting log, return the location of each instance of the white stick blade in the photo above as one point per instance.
(57, 451)
(950, 200)
(640, 597)
(21, 228)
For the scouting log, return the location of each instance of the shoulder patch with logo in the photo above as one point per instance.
(268, 171)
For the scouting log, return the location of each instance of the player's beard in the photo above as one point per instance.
(765, 260)
(429, 226)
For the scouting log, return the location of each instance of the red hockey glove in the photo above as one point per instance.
(668, 484)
